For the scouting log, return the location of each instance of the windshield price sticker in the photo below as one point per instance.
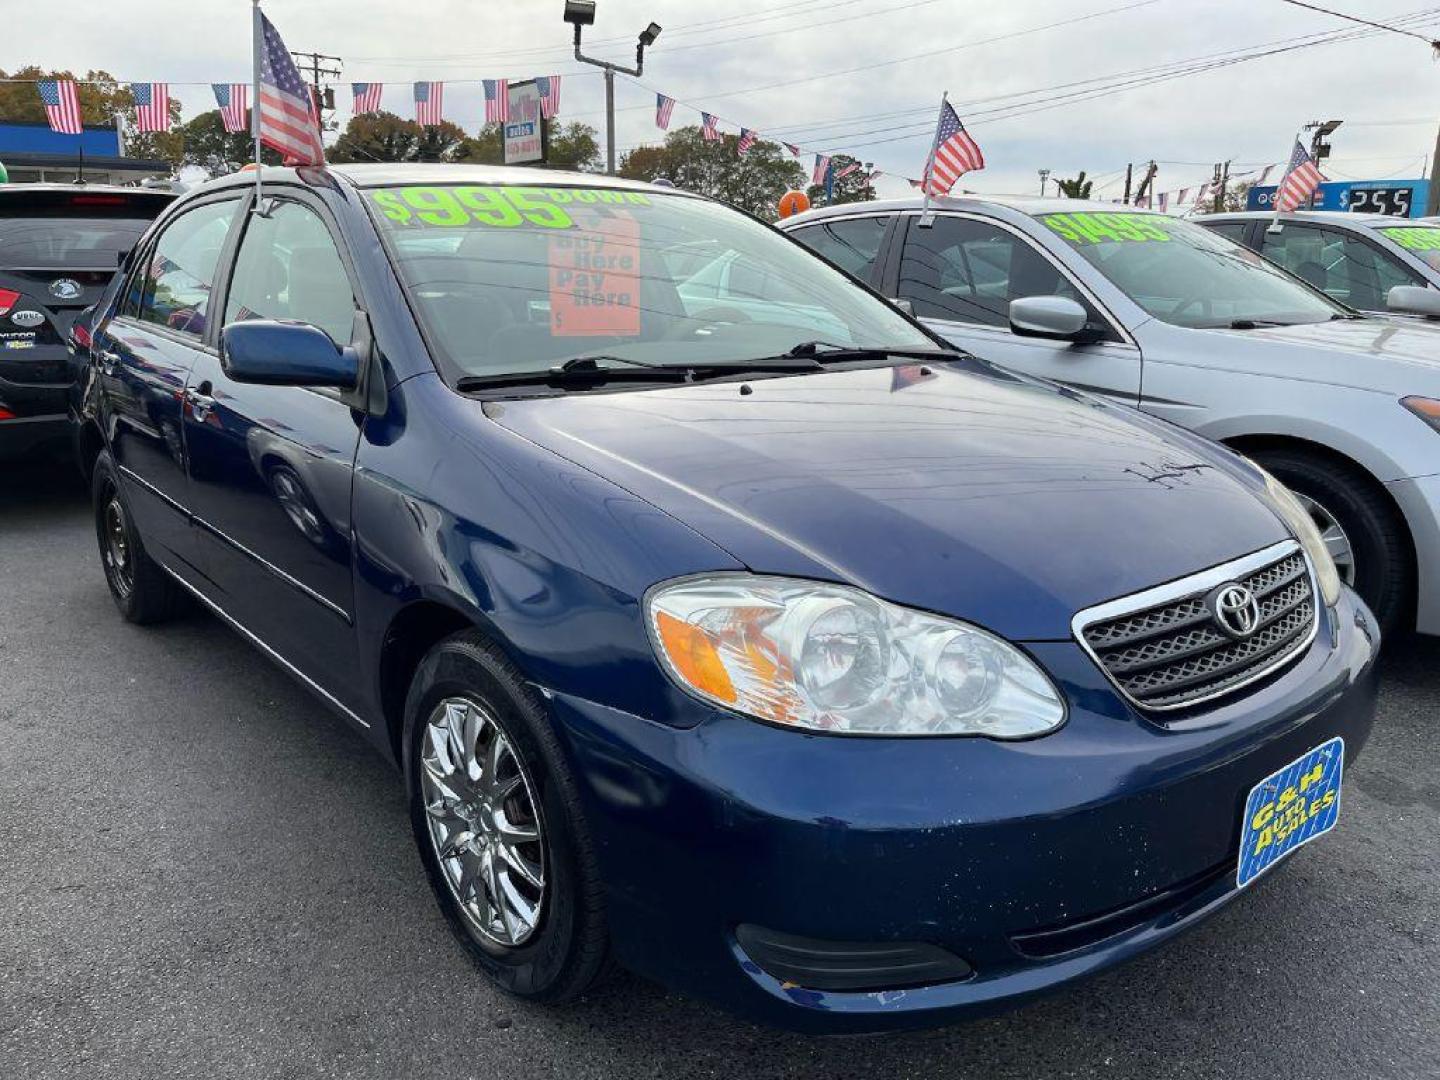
(595, 279)
(1100, 227)
(1415, 239)
(453, 206)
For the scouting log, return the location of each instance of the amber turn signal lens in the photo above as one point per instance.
(1428, 409)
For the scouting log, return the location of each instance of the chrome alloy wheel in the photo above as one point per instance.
(482, 818)
(1337, 542)
(117, 547)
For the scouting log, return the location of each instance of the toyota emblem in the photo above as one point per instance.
(65, 289)
(1235, 609)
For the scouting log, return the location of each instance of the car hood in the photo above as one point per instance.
(1410, 350)
(968, 492)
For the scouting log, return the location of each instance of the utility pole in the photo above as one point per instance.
(319, 64)
(1129, 169)
(1432, 198)
(1144, 189)
(1044, 175)
(1220, 183)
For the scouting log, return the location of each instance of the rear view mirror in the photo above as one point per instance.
(1414, 300)
(1056, 317)
(274, 353)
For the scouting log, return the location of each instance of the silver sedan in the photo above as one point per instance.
(1188, 325)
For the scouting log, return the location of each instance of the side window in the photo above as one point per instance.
(852, 245)
(1231, 230)
(175, 285)
(289, 268)
(968, 271)
(1343, 266)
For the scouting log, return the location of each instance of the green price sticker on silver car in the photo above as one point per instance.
(460, 206)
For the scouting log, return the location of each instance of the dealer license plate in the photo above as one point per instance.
(1290, 807)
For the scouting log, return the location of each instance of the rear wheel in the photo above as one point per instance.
(498, 822)
(142, 591)
(1363, 532)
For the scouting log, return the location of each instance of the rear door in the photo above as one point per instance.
(1342, 264)
(144, 355)
(58, 252)
(960, 274)
(271, 466)
(852, 243)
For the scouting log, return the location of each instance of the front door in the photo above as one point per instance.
(271, 466)
(960, 274)
(145, 354)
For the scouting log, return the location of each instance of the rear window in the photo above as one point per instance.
(81, 231)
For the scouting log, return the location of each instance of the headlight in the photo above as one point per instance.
(835, 659)
(1295, 516)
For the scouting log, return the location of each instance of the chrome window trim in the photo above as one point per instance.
(1193, 585)
(244, 632)
(1081, 287)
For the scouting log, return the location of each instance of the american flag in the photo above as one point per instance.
(709, 128)
(287, 117)
(1201, 195)
(497, 100)
(234, 102)
(1265, 174)
(747, 140)
(847, 170)
(875, 175)
(549, 88)
(822, 166)
(1164, 201)
(794, 150)
(429, 103)
(956, 153)
(152, 106)
(62, 106)
(915, 183)
(1299, 182)
(367, 96)
(664, 106)
(1184, 194)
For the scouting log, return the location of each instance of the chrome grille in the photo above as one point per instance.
(1165, 649)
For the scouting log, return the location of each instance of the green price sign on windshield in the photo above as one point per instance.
(461, 206)
(1415, 238)
(1100, 227)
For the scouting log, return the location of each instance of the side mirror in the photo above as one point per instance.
(1414, 300)
(274, 353)
(1055, 317)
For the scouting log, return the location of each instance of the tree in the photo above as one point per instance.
(753, 181)
(206, 145)
(102, 99)
(1078, 188)
(383, 136)
(572, 146)
(853, 187)
(1237, 195)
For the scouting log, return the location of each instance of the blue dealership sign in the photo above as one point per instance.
(1399, 198)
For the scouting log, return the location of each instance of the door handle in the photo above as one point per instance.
(200, 399)
(109, 361)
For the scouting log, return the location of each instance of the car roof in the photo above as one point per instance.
(12, 191)
(368, 174)
(1027, 205)
(1334, 217)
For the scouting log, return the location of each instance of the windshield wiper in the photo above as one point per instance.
(582, 371)
(826, 352)
(1256, 324)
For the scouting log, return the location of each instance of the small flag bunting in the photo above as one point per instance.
(152, 106)
(234, 102)
(794, 150)
(497, 101)
(822, 166)
(429, 103)
(62, 105)
(664, 107)
(709, 127)
(747, 140)
(367, 96)
(549, 88)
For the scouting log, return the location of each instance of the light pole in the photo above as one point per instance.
(581, 13)
(1044, 175)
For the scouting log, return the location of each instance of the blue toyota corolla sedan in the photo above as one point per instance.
(720, 621)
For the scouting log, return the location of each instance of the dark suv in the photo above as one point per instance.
(59, 248)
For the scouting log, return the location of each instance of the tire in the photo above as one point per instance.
(567, 946)
(1384, 565)
(144, 593)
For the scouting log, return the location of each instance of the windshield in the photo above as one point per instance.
(67, 242)
(1422, 241)
(1189, 276)
(517, 279)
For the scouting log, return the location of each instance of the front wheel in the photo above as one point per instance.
(498, 823)
(1363, 532)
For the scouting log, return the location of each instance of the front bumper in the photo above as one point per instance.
(1012, 856)
(1419, 501)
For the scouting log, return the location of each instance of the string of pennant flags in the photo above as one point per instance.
(953, 153)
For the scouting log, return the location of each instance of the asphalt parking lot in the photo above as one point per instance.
(202, 873)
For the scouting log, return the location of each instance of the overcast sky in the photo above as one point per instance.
(1386, 87)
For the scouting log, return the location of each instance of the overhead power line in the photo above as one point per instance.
(1434, 44)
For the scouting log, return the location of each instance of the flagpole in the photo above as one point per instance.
(926, 218)
(1276, 225)
(256, 44)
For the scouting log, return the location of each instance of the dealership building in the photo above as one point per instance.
(33, 153)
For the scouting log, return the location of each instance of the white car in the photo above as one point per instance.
(1188, 325)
